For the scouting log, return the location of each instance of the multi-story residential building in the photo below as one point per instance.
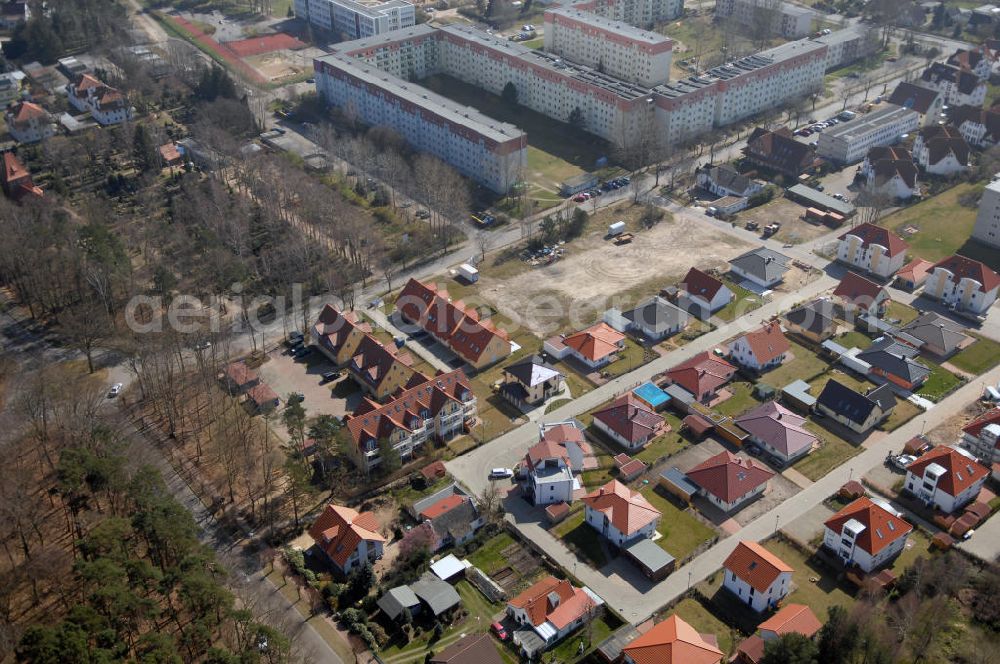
(337, 334)
(981, 436)
(10, 87)
(890, 171)
(549, 475)
(987, 228)
(948, 478)
(107, 105)
(963, 284)
(927, 102)
(620, 514)
(866, 533)
(960, 87)
(756, 576)
(355, 20)
(941, 150)
(551, 609)
(980, 60)
(613, 47)
(348, 539)
(779, 151)
(642, 13)
(873, 249)
(781, 18)
(979, 126)
(439, 408)
(849, 44)
(760, 349)
(849, 142)
(28, 122)
(530, 381)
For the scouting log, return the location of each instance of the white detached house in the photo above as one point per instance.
(107, 105)
(866, 534)
(757, 577)
(760, 349)
(963, 284)
(941, 150)
(873, 249)
(619, 514)
(946, 478)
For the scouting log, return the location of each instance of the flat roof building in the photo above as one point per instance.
(355, 19)
(848, 143)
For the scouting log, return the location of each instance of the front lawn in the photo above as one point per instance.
(744, 301)
(666, 445)
(741, 401)
(693, 613)
(943, 225)
(848, 380)
(591, 636)
(632, 357)
(939, 383)
(833, 451)
(854, 339)
(815, 585)
(681, 531)
(902, 312)
(979, 357)
(577, 534)
(901, 414)
(804, 365)
(489, 557)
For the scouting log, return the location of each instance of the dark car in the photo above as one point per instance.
(296, 397)
(301, 352)
(330, 376)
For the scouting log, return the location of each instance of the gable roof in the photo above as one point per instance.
(83, 83)
(976, 426)
(657, 314)
(859, 291)
(552, 600)
(888, 162)
(261, 393)
(673, 641)
(705, 372)
(728, 477)
(373, 362)
(910, 95)
(961, 470)
(965, 81)
(394, 600)
(767, 343)
(779, 149)
(816, 316)
(628, 510)
(792, 618)
(966, 268)
(240, 373)
(755, 565)
(471, 649)
(726, 176)
(988, 117)
(870, 234)
(765, 264)
(702, 285)
(779, 427)
(894, 358)
(942, 140)
(853, 405)
(24, 112)
(630, 417)
(915, 271)
(437, 594)
(339, 530)
(531, 371)
(936, 330)
(880, 527)
(596, 342)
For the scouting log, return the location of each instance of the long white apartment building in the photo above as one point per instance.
(849, 44)
(848, 143)
(788, 20)
(491, 152)
(610, 46)
(356, 19)
(642, 13)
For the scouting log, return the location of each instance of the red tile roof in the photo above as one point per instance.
(170, 154)
(728, 477)
(333, 327)
(767, 342)
(13, 169)
(882, 527)
(962, 267)
(673, 641)
(702, 285)
(24, 111)
(915, 270)
(871, 234)
(261, 393)
(373, 362)
(961, 471)
(563, 433)
(755, 565)
(443, 506)
(339, 530)
(537, 602)
(702, 373)
(628, 510)
(434, 471)
(85, 82)
(793, 618)
(976, 426)
(860, 291)
(240, 373)
(596, 342)
(631, 418)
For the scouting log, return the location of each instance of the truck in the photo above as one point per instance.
(616, 228)
(468, 273)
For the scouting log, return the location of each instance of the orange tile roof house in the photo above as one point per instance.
(548, 611)
(673, 641)
(760, 349)
(439, 408)
(963, 284)
(620, 514)
(873, 249)
(454, 520)
(28, 122)
(105, 104)
(789, 619)
(459, 328)
(630, 421)
(728, 481)
(982, 436)
(16, 179)
(349, 539)
(947, 478)
(756, 576)
(914, 274)
(857, 294)
(866, 533)
(702, 375)
(705, 290)
(595, 347)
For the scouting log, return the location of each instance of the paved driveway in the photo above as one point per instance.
(285, 375)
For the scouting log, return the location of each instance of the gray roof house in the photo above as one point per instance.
(859, 412)
(814, 320)
(657, 318)
(395, 600)
(894, 361)
(724, 180)
(935, 334)
(438, 595)
(761, 266)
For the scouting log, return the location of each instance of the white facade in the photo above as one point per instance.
(927, 490)
(953, 96)
(106, 105)
(894, 188)
(960, 292)
(356, 20)
(788, 20)
(736, 502)
(602, 524)
(844, 544)
(743, 353)
(552, 482)
(946, 166)
(987, 228)
(849, 142)
(642, 13)
(873, 258)
(617, 437)
(367, 551)
(32, 129)
(758, 601)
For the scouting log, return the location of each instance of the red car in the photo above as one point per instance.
(579, 198)
(500, 632)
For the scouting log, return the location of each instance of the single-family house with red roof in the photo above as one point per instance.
(28, 122)
(348, 539)
(873, 249)
(16, 179)
(756, 576)
(728, 481)
(778, 431)
(630, 421)
(702, 375)
(760, 349)
(789, 619)
(982, 436)
(239, 378)
(963, 284)
(620, 514)
(454, 520)
(947, 478)
(673, 641)
(549, 611)
(595, 347)
(862, 296)
(866, 533)
(705, 290)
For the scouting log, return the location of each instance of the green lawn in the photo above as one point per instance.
(692, 612)
(632, 357)
(832, 452)
(741, 401)
(939, 383)
(489, 557)
(804, 365)
(581, 538)
(569, 649)
(537, 42)
(814, 585)
(408, 495)
(848, 380)
(901, 414)
(665, 445)
(979, 357)
(744, 301)
(901, 312)
(682, 531)
(854, 339)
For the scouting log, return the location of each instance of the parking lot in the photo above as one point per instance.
(286, 375)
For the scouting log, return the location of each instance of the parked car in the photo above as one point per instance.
(296, 397)
(752, 449)
(501, 473)
(203, 345)
(901, 461)
(115, 390)
(330, 376)
(499, 631)
(301, 352)
(579, 198)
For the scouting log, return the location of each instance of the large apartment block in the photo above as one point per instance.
(987, 228)
(610, 46)
(643, 13)
(784, 18)
(355, 20)
(850, 142)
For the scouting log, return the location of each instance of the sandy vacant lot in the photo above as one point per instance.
(596, 274)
